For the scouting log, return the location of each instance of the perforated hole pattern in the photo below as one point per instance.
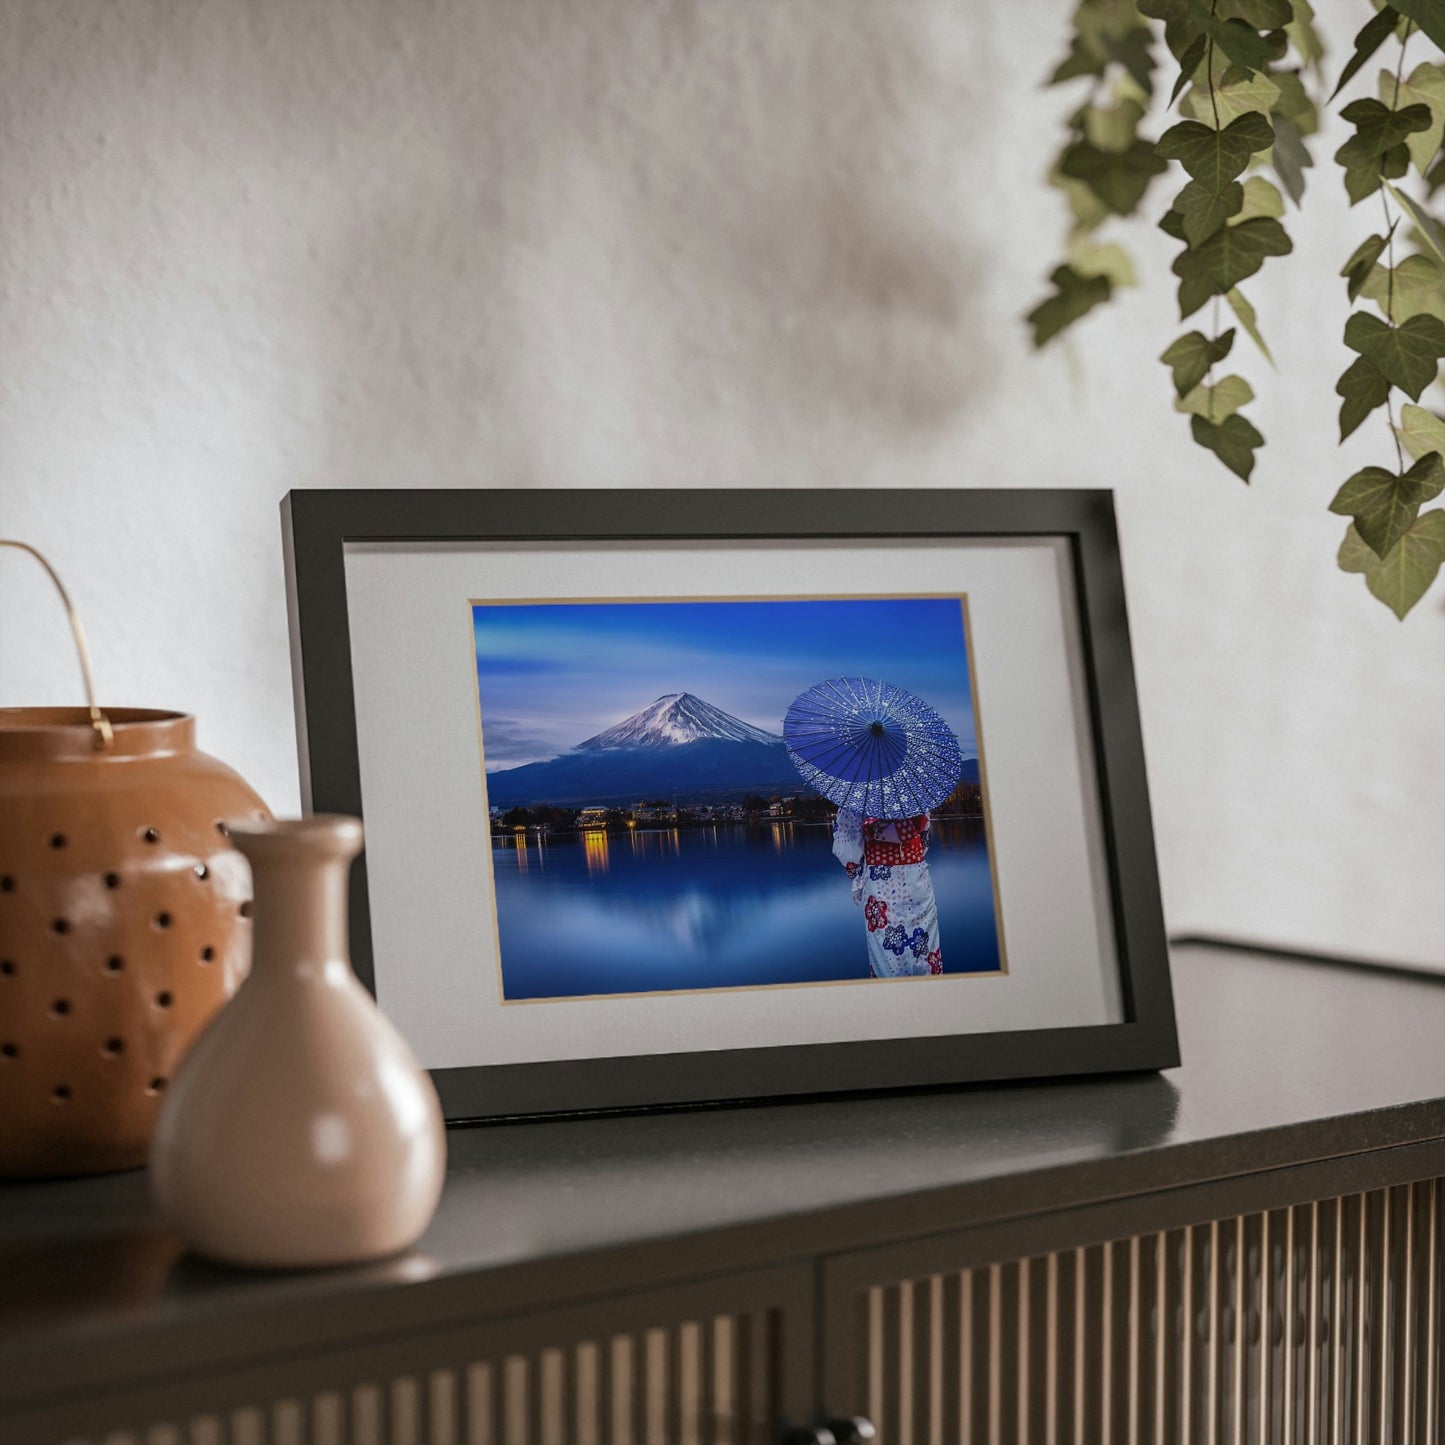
(60, 1010)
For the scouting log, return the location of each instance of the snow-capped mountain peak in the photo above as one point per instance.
(678, 717)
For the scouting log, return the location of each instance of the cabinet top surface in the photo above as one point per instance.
(1285, 1062)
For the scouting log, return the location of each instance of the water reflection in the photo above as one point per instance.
(715, 907)
(594, 845)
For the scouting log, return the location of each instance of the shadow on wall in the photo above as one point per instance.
(638, 243)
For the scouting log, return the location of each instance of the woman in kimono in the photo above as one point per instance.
(885, 859)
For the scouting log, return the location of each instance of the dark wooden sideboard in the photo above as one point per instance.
(1247, 1248)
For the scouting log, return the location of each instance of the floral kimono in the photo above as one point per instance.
(885, 859)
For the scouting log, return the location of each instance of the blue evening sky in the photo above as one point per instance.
(553, 674)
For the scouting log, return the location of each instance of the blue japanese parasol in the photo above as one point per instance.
(871, 747)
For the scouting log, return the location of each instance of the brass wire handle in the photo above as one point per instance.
(104, 734)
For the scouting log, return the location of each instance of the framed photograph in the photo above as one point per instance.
(685, 796)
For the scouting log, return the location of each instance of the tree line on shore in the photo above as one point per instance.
(966, 800)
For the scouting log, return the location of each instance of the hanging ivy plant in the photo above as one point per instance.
(1244, 103)
(1106, 166)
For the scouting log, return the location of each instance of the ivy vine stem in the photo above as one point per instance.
(1214, 327)
(1209, 75)
(1400, 66)
(1391, 222)
(1389, 258)
(1214, 106)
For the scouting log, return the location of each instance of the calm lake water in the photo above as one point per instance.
(723, 907)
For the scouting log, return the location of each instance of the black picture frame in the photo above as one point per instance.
(317, 526)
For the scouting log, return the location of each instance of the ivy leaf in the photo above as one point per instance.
(1190, 357)
(1262, 14)
(1373, 35)
(1429, 15)
(1420, 431)
(1364, 177)
(1075, 296)
(1408, 355)
(1103, 20)
(1204, 211)
(1362, 261)
(1216, 157)
(1134, 52)
(1435, 176)
(1189, 62)
(1384, 506)
(1303, 35)
(1290, 158)
(1260, 199)
(1234, 441)
(1238, 39)
(1118, 178)
(1418, 288)
(1090, 258)
(1172, 224)
(1088, 211)
(1229, 256)
(1403, 576)
(1216, 402)
(1238, 92)
(1113, 127)
(1379, 129)
(1426, 86)
(1083, 59)
(1364, 387)
(1427, 225)
(1294, 102)
(1377, 148)
(1245, 312)
(1101, 34)
(1182, 29)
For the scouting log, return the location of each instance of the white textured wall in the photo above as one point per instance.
(247, 245)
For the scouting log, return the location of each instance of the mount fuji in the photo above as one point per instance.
(677, 717)
(679, 748)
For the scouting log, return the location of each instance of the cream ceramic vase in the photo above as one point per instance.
(299, 1130)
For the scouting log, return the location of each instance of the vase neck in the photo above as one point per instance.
(300, 871)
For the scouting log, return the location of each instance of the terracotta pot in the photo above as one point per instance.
(300, 1129)
(123, 927)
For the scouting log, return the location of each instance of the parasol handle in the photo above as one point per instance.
(104, 734)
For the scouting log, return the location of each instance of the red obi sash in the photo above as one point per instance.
(879, 851)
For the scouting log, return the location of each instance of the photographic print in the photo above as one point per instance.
(698, 795)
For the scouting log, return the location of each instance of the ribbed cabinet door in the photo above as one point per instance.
(720, 1361)
(1314, 1324)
